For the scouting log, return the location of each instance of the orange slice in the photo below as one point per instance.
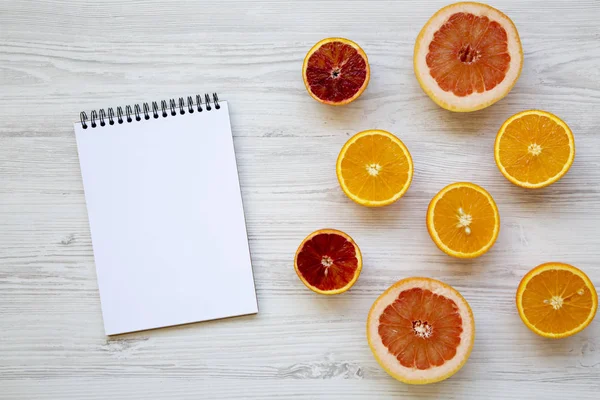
(336, 71)
(421, 330)
(534, 149)
(374, 168)
(468, 56)
(556, 300)
(463, 220)
(328, 261)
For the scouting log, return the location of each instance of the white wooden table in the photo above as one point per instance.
(60, 57)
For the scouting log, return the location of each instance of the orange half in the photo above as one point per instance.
(463, 220)
(556, 300)
(374, 168)
(534, 149)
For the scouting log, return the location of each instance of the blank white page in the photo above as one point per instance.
(166, 220)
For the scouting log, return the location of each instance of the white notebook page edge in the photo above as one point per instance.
(167, 221)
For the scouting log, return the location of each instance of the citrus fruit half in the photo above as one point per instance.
(534, 149)
(374, 168)
(328, 261)
(468, 56)
(463, 220)
(336, 71)
(556, 300)
(421, 330)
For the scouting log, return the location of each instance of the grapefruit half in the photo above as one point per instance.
(468, 56)
(421, 330)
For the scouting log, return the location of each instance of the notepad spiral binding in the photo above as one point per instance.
(149, 111)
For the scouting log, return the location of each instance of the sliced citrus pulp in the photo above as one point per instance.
(328, 261)
(336, 71)
(556, 300)
(421, 330)
(374, 168)
(534, 149)
(468, 56)
(463, 220)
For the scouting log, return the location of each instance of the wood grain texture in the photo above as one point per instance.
(59, 57)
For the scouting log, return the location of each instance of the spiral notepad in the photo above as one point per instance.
(165, 212)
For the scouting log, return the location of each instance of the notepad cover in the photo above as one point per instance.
(166, 220)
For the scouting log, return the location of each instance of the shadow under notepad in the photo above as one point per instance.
(181, 327)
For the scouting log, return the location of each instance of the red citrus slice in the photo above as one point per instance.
(328, 261)
(468, 56)
(421, 330)
(336, 71)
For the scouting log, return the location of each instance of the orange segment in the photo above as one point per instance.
(463, 220)
(556, 300)
(534, 149)
(336, 71)
(421, 330)
(374, 168)
(328, 261)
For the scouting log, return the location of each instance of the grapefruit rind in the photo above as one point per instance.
(547, 267)
(356, 273)
(315, 48)
(413, 375)
(475, 101)
(434, 235)
(374, 203)
(555, 178)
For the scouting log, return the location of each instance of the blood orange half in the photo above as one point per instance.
(336, 71)
(421, 330)
(328, 261)
(468, 56)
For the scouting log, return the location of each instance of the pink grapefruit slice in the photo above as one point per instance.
(468, 56)
(421, 330)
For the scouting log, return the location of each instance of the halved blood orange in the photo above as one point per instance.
(421, 330)
(336, 71)
(468, 56)
(328, 261)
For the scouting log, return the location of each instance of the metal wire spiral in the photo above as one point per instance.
(180, 106)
